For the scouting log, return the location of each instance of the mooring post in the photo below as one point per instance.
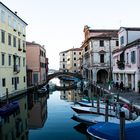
(122, 125)
(7, 96)
(98, 104)
(106, 110)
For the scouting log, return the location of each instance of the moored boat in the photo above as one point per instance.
(111, 131)
(92, 110)
(90, 119)
(8, 109)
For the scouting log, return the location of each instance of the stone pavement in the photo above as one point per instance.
(128, 96)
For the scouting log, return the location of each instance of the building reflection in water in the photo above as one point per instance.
(73, 95)
(15, 125)
(37, 110)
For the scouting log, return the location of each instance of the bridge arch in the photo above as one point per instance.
(57, 74)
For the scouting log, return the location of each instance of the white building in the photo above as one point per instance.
(12, 51)
(97, 54)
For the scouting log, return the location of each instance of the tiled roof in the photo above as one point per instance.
(72, 49)
(103, 33)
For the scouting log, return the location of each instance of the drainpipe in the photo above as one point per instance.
(110, 68)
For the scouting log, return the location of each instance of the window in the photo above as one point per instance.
(14, 41)
(19, 60)
(10, 21)
(63, 59)
(12, 81)
(63, 65)
(2, 36)
(24, 79)
(19, 27)
(17, 80)
(133, 57)
(9, 60)
(79, 53)
(23, 30)
(74, 53)
(18, 43)
(101, 43)
(63, 54)
(74, 64)
(127, 58)
(3, 82)
(3, 16)
(9, 39)
(23, 62)
(74, 58)
(117, 43)
(2, 59)
(122, 40)
(14, 22)
(101, 58)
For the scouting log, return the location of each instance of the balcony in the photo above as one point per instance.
(121, 64)
(16, 68)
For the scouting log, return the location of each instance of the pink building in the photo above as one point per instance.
(36, 63)
(126, 67)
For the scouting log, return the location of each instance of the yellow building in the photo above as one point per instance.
(12, 52)
(69, 60)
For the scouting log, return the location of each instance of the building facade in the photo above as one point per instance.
(12, 51)
(126, 66)
(97, 54)
(36, 63)
(69, 60)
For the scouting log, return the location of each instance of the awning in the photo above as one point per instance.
(124, 71)
(117, 54)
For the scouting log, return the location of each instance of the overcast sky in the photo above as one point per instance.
(58, 24)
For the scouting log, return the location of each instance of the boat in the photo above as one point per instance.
(89, 104)
(42, 90)
(92, 110)
(111, 131)
(8, 109)
(90, 119)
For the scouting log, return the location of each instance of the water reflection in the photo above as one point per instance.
(44, 117)
(15, 125)
(37, 110)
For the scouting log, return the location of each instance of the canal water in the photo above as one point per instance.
(59, 124)
(45, 117)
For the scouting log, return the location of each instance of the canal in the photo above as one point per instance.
(45, 117)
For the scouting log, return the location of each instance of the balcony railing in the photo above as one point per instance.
(16, 68)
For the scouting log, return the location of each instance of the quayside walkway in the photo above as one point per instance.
(128, 96)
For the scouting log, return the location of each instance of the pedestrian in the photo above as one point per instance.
(117, 84)
(121, 85)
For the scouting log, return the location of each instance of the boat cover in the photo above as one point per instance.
(111, 131)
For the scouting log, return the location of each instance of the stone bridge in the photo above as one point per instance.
(57, 74)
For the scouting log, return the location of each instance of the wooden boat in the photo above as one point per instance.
(95, 118)
(111, 131)
(92, 110)
(8, 109)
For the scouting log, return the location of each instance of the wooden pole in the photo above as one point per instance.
(7, 96)
(106, 111)
(122, 126)
(98, 104)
